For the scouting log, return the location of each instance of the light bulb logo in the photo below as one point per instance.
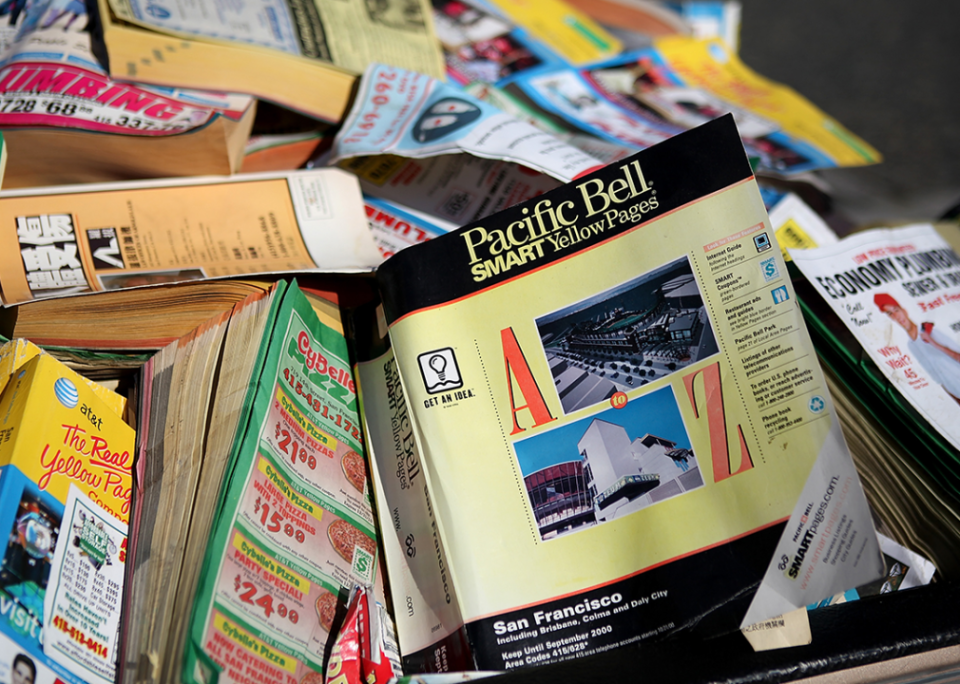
(439, 370)
(439, 365)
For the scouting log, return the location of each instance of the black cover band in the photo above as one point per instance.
(682, 169)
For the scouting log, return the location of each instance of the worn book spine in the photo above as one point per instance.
(295, 529)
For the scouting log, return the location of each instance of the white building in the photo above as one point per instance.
(624, 477)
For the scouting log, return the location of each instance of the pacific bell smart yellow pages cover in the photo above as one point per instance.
(621, 424)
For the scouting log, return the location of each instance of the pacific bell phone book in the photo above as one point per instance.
(597, 417)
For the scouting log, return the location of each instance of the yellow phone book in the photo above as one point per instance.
(65, 474)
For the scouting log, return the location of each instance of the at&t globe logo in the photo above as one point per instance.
(66, 392)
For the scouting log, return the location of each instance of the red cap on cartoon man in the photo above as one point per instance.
(883, 300)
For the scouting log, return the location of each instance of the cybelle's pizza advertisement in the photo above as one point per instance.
(296, 529)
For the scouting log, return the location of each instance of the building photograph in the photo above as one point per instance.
(608, 465)
(627, 336)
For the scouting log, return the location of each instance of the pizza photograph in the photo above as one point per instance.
(345, 537)
(354, 469)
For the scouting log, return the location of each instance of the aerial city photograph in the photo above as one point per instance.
(627, 336)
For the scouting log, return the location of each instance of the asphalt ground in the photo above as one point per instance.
(888, 71)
